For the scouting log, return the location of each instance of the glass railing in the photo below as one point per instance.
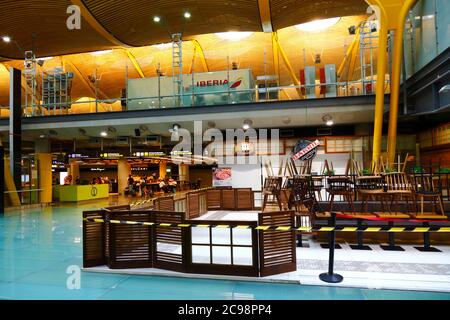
(227, 96)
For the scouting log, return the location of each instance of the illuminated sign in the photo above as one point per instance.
(149, 154)
(113, 155)
(180, 153)
(77, 156)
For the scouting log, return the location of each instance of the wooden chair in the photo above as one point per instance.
(304, 201)
(340, 186)
(302, 194)
(368, 186)
(272, 187)
(398, 186)
(428, 185)
(286, 193)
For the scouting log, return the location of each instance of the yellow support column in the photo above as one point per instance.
(74, 170)
(276, 58)
(162, 169)
(123, 171)
(379, 91)
(395, 80)
(45, 176)
(392, 14)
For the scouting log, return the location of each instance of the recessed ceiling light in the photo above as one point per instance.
(233, 36)
(6, 39)
(247, 124)
(163, 46)
(187, 15)
(101, 52)
(104, 134)
(42, 136)
(317, 25)
(328, 120)
(156, 19)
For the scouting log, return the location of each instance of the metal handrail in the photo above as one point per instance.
(28, 190)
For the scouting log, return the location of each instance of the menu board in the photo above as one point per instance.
(222, 177)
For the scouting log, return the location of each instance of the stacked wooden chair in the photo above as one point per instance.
(428, 186)
(272, 188)
(341, 186)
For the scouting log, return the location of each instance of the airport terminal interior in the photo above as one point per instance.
(240, 149)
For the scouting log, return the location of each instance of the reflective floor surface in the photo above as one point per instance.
(38, 247)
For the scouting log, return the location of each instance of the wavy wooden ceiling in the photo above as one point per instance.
(41, 25)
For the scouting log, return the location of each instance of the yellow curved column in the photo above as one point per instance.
(392, 15)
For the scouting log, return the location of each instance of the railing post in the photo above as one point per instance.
(330, 276)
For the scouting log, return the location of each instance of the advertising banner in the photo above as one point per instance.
(222, 177)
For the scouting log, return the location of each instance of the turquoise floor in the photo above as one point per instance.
(37, 246)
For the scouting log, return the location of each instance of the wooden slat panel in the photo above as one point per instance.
(193, 207)
(165, 204)
(169, 236)
(228, 199)
(93, 240)
(129, 245)
(244, 199)
(214, 199)
(277, 248)
(203, 207)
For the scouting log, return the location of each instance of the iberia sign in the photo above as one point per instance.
(306, 152)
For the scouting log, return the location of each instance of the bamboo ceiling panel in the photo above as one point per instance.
(41, 26)
(287, 13)
(132, 21)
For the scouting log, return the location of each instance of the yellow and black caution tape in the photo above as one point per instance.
(279, 228)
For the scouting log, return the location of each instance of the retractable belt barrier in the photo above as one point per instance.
(278, 228)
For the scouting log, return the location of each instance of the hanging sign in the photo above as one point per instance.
(305, 150)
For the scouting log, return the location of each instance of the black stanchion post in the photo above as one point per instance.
(391, 237)
(330, 276)
(359, 235)
(426, 241)
(2, 180)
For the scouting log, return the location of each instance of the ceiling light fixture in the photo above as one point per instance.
(247, 124)
(328, 120)
(352, 30)
(163, 46)
(233, 35)
(187, 15)
(317, 25)
(156, 19)
(101, 52)
(6, 39)
(104, 134)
